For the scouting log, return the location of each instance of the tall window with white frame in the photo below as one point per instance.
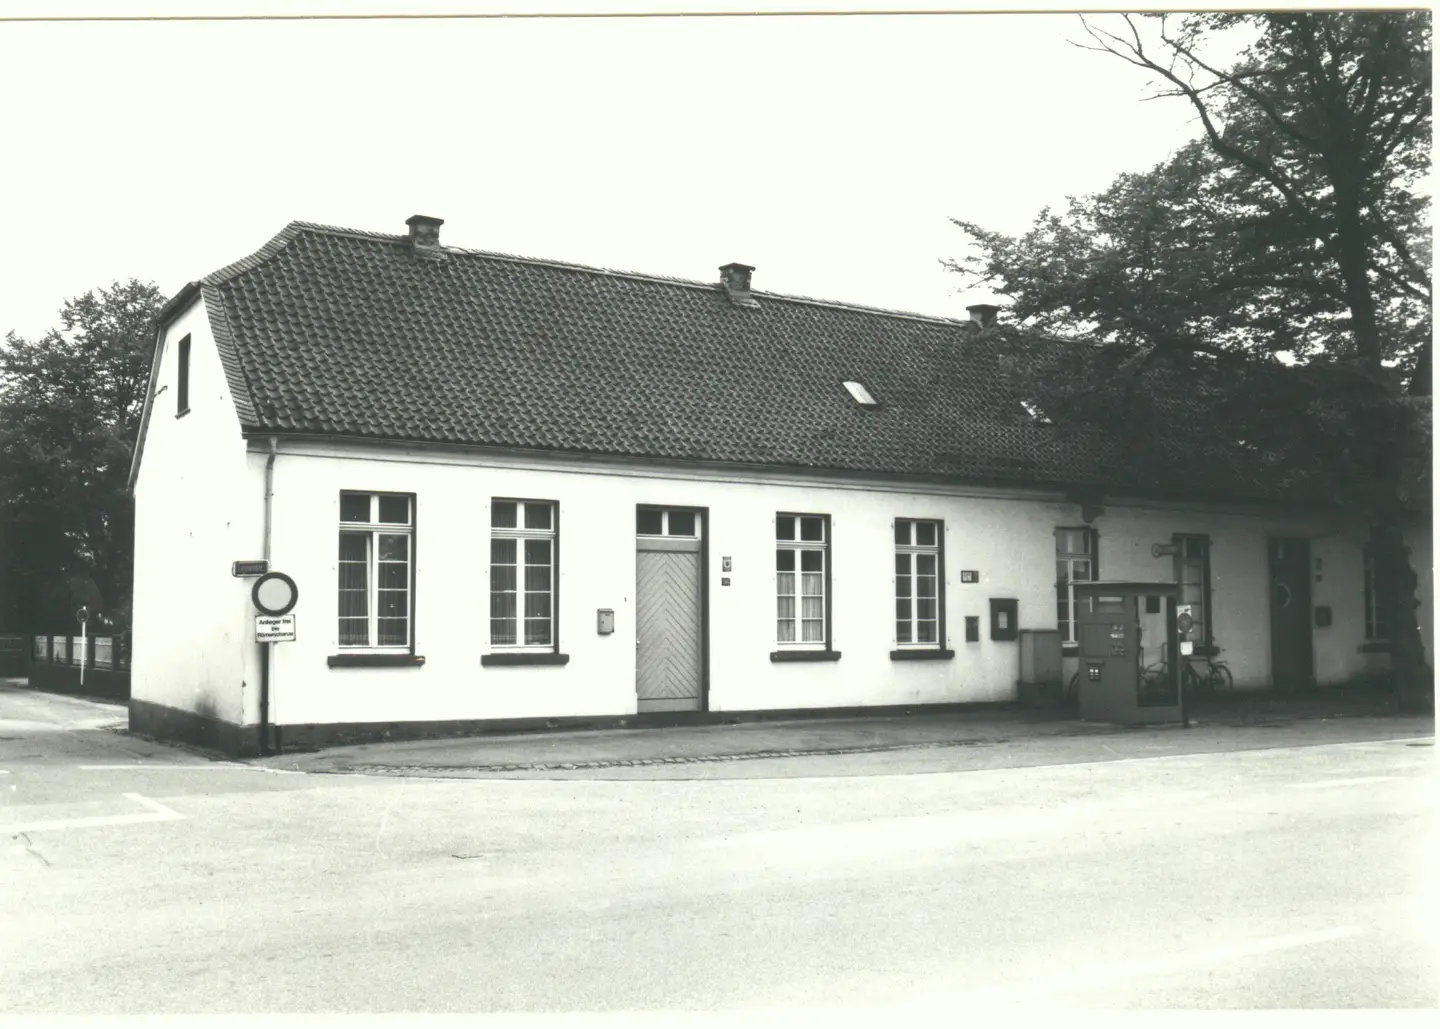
(1074, 562)
(377, 535)
(523, 540)
(801, 581)
(917, 584)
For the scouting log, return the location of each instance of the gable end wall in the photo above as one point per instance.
(198, 507)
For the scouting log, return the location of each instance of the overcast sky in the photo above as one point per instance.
(828, 152)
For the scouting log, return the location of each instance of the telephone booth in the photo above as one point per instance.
(1124, 675)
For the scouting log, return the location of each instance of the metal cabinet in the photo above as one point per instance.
(1115, 684)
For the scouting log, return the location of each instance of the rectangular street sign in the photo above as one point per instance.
(240, 569)
(274, 628)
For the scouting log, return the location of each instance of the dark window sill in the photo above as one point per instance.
(921, 655)
(374, 660)
(503, 660)
(805, 655)
(1375, 647)
(182, 414)
(1070, 649)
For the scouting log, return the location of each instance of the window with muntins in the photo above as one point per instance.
(917, 583)
(801, 581)
(376, 588)
(1074, 562)
(523, 541)
(654, 521)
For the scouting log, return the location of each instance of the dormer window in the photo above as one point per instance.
(861, 395)
(1035, 415)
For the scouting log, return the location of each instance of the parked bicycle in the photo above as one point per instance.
(1215, 678)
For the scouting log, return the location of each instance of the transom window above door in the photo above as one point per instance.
(659, 521)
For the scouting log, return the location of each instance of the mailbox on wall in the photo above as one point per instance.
(1004, 618)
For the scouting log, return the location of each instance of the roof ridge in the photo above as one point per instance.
(667, 280)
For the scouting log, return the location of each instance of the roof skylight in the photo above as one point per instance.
(1035, 414)
(860, 394)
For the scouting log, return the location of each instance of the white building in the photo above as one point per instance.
(465, 460)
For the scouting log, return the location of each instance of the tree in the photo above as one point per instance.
(1288, 248)
(70, 405)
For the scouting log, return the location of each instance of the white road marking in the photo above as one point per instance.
(1321, 784)
(216, 767)
(157, 813)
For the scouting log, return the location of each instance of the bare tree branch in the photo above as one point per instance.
(1265, 170)
(1262, 101)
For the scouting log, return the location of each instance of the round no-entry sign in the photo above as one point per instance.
(274, 593)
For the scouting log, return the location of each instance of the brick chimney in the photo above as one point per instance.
(736, 280)
(424, 231)
(983, 315)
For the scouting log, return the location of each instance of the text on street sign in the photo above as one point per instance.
(274, 628)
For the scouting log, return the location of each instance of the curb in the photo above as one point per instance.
(455, 770)
(468, 769)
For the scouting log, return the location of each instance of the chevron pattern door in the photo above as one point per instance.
(667, 625)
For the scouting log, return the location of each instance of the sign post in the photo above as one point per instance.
(82, 616)
(274, 595)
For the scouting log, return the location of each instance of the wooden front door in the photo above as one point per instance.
(1291, 645)
(668, 625)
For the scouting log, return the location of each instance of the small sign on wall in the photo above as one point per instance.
(725, 564)
(274, 628)
(969, 575)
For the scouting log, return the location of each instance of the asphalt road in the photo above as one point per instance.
(143, 879)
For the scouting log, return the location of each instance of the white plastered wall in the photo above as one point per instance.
(197, 509)
(1009, 541)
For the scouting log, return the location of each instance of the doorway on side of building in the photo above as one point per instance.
(669, 609)
(1292, 658)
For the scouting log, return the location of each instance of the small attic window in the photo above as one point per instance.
(1035, 414)
(861, 395)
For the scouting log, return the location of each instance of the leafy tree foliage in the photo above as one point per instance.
(70, 405)
(1280, 263)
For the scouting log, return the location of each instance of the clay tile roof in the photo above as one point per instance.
(332, 331)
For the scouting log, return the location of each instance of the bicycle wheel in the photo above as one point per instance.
(1220, 678)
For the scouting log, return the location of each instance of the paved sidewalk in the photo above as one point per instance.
(930, 738)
